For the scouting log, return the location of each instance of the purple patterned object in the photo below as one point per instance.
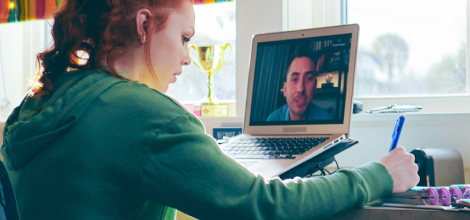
(433, 197)
(466, 194)
(456, 193)
(444, 196)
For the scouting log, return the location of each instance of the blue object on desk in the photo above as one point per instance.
(397, 132)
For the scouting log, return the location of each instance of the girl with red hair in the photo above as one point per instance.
(99, 139)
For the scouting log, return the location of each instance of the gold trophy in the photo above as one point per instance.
(210, 59)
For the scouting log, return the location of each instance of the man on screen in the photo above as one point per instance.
(298, 89)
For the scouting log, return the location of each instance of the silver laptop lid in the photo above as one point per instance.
(301, 82)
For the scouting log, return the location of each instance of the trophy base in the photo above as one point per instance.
(206, 101)
(214, 110)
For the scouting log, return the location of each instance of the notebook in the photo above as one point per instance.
(299, 97)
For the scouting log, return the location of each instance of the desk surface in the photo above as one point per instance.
(388, 213)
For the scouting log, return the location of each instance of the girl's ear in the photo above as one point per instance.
(142, 20)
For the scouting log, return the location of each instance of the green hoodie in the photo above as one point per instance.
(105, 148)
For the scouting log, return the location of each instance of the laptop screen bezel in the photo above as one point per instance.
(307, 129)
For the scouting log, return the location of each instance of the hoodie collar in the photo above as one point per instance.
(37, 121)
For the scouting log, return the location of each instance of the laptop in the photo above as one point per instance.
(299, 98)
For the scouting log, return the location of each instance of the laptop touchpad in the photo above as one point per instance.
(247, 163)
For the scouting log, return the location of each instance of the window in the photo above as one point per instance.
(409, 48)
(215, 25)
(19, 44)
(430, 67)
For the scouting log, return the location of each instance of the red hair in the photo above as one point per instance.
(100, 28)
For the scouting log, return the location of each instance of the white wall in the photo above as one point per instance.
(450, 131)
(12, 49)
(253, 16)
(303, 14)
(19, 44)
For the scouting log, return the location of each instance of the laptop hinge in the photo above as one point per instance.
(294, 135)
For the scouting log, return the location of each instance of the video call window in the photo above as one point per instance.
(301, 81)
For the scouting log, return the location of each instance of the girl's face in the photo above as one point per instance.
(169, 46)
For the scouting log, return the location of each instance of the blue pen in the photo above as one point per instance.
(397, 132)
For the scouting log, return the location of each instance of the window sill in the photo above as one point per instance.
(413, 119)
(364, 117)
(436, 104)
(416, 119)
(457, 117)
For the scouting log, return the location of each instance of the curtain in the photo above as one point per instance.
(271, 68)
(27, 10)
(199, 2)
(24, 10)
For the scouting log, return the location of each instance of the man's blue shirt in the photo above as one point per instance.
(314, 113)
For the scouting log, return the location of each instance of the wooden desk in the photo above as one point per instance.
(386, 213)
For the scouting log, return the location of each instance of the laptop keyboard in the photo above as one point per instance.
(271, 148)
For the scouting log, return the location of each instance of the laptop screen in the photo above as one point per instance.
(301, 81)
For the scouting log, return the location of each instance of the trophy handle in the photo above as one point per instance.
(191, 55)
(228, 58)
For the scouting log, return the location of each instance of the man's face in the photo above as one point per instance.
(298, 89)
